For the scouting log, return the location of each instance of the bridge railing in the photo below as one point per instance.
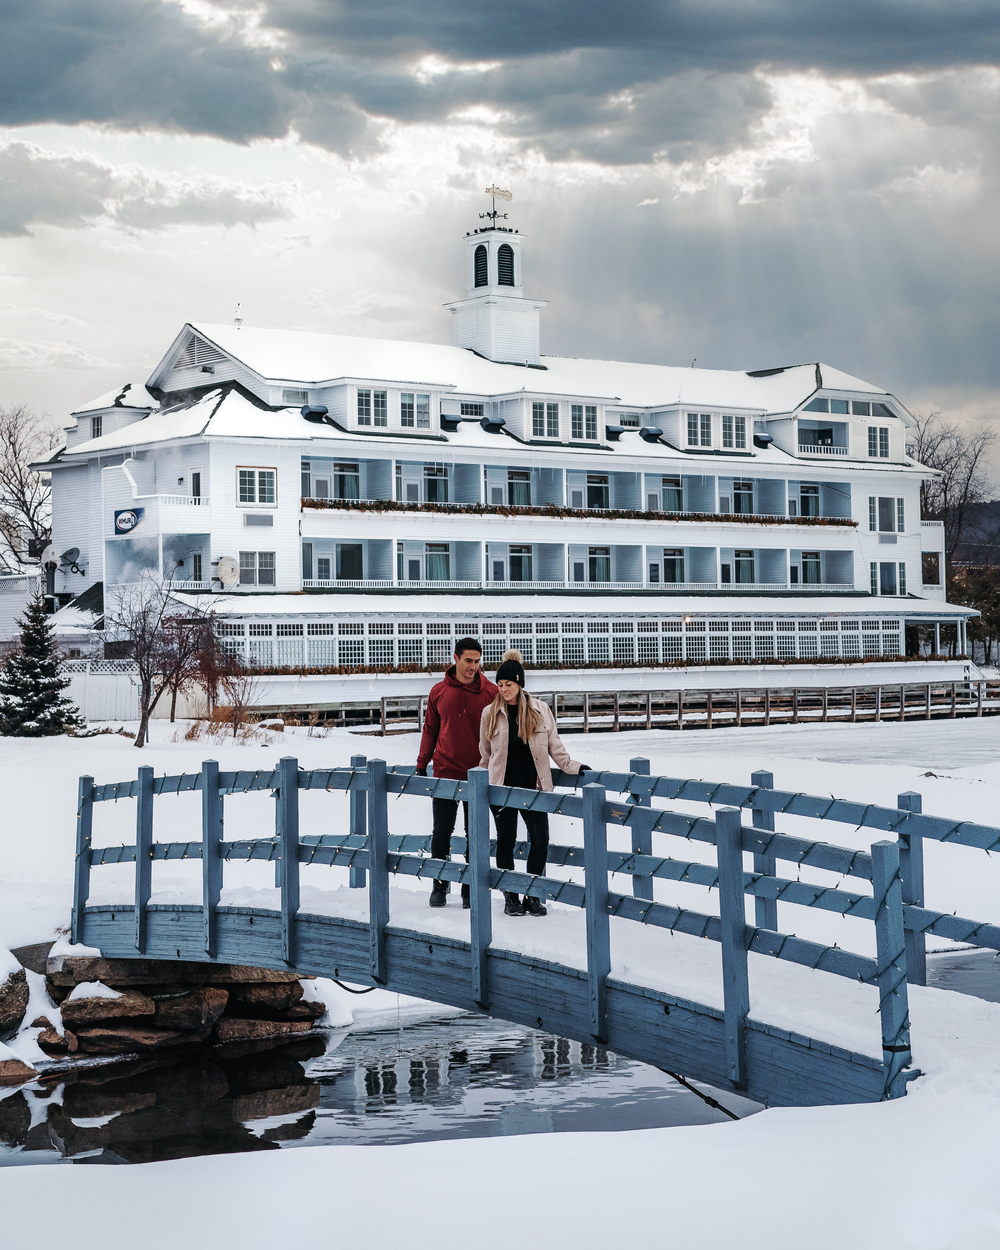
(893, 867)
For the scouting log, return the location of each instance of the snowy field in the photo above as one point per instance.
(917, 1173)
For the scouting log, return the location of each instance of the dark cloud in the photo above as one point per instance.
(615, 83)
(38, 187)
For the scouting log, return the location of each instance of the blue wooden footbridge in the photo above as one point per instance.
(726, 1048)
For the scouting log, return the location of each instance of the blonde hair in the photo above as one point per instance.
(529, 718)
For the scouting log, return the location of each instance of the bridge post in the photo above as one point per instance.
(358, 822)
(732, 913)
(143, 854)
(378, 865)
(911, 867)
(288, 843)
(81, 868)
(479, 894)
(642, 839)
(765, 909)
(211, 861)
(595, 862)
(891, 957)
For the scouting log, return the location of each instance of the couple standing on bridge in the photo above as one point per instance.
(471, 722)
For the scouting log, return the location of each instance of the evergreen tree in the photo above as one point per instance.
(32, 704)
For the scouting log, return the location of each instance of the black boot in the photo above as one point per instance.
(466, 900)
(439, 894)
(512, 905)
(534, 906)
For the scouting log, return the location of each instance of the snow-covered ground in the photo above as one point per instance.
(917, 1173)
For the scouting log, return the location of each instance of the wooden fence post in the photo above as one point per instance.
(642, 839)
(765, 909)
(586, 713)
(481, 919)
(891, 957)
(911, 867)
(595, 860)
(211, 860)
(143, 854)
(378, 865)
(81, 868)
(359, 822)
(288, 849)
(735, 980)
(680, 709)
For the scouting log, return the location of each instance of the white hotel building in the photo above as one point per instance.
(380, 499)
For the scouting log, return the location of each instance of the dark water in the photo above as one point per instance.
(462, 1076)
(465, 1076)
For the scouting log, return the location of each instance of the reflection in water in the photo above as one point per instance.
(466, 1076)
(970, 972)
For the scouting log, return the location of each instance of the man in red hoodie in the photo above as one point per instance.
(451, 740)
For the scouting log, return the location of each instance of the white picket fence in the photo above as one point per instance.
(103, 689)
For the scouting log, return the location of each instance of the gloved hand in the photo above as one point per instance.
(420, 772)
(585, 768)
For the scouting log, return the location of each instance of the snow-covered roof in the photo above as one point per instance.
(309, 358)
(130, 395)
(182, 421)
(468, 607)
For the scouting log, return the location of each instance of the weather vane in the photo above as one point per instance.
(496, 193)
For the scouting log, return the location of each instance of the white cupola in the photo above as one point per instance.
(495, 319)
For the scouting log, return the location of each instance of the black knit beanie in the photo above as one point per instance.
(511, 669)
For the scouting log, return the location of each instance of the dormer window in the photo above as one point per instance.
(630, 420)
(373, 408)
(505, 265)
(291, 395)
(734, 432)
(471, 410)
(481, 265)
(96, 427)
(699, 426)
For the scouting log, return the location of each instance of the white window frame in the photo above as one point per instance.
(256, 470)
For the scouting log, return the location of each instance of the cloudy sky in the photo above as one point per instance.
(746, 182)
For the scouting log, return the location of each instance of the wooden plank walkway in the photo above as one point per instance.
(726, 1048)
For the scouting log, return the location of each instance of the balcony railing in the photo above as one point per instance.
(175, 501)
(820, 449)
(743, 588)
(933, 525)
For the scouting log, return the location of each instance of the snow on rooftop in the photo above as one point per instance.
(159, 427)
(470, 606)
(313, 358)
(130, 395)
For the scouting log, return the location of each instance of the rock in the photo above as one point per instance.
(13, 1000)
(242, 973)
(72, 969)
(55, 1044)
(14, 1072)
(192, 1011)
(234, 1030)
(263, 1001)
(108, 1039)
(86, 1010)
(33, 957)
(305, 1011)
(15, 1120)
(291, 1100)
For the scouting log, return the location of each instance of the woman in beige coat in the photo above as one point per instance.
(517, 736)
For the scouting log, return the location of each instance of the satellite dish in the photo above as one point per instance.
(228, 570)
(70, 556)
(50, 557)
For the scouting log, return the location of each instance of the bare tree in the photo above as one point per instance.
(162, 637)
(962, 481)
(25, 496)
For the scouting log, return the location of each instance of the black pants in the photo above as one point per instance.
(445, 815)
(537, 824)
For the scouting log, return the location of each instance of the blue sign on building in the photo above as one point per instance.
(126, 519)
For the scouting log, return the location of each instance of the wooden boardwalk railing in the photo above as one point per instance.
(602, 710)
(723, 1048)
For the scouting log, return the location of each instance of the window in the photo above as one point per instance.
(406, 417)
(887, 578)
(380, 408)
(598, 491)
(900, 516)
(415, 410)
(600, 564)
(930, 568)
(505, 265)
(673, 494)
(878, 441)
(323, 568)
(545, 421)
(872, 512)
(630, 420)
(438, 562)
(839, 406)
(257, 485)
(196, 566)
(481, 266)
(364, 407)
(873, 579)
(744, 566)
(742, 498)
(471, 410)
(519, 488)
(860, 408)
(808, 499)
(886, 515)
(673, 564)
(346, 480)
(811, 568)
(290, 395)
(902, 578)
(436, 483)
(257, 568)
(520, 564)
(196, 484)
(96, 427)
(817, 405)
(734, 432)
(306, 479)
(423, 405)
(700, 429)
(584, 421)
